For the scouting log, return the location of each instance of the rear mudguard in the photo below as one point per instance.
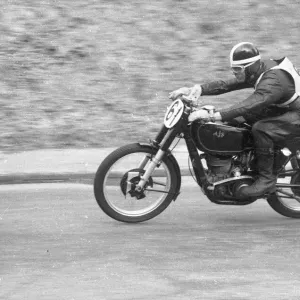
(173, 160)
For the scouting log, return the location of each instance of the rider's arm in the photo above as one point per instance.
(269, 91)
(212, 88)
(219, 87)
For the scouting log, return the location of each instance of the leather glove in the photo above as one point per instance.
(202, 114)
(177, 93)
(205, 116)
(194, 94)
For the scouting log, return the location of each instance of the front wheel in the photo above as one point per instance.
(120, 172)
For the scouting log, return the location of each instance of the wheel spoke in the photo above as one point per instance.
(159, 191)
(159, 183)
(128, 178)
(290, 195)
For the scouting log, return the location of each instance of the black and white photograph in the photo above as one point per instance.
(149, 150)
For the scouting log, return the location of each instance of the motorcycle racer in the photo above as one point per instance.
(273, 109)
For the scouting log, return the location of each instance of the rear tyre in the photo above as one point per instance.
(283, 209)
(125, 204)
(287, 202)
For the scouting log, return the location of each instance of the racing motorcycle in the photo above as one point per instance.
(137, 182)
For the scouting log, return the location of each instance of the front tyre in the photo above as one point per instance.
(117, 176)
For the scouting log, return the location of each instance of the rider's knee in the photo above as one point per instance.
(260, 126)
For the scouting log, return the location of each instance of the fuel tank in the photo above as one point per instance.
(217, 138)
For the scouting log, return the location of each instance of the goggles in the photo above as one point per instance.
(241, 68)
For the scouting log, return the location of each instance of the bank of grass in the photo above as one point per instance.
(97, 73)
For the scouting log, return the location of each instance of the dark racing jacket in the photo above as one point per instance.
(274, 87)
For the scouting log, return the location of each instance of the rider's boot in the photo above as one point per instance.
(265, 183)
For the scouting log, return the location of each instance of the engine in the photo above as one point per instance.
(234, 169)
(223, 167)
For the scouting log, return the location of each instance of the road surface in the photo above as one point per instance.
(57, 244)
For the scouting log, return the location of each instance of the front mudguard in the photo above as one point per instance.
(173, 160)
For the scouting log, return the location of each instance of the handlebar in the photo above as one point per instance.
(188, 103)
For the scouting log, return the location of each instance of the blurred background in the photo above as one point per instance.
(97, 73)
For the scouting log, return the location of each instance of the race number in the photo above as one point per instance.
(174, 113)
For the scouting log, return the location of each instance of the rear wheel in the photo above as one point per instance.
(118, 175)
(286, 199)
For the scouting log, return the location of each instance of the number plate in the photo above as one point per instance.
(174, 113)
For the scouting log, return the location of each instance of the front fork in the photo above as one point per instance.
(162, 141)
(163, 131)
(153, 164)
